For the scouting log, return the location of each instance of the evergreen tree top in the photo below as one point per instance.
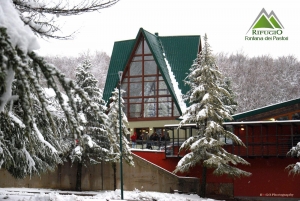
(208, 111)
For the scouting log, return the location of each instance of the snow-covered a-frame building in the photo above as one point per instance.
(153, 71)
(154, 68)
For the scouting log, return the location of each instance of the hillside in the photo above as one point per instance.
(261, 81)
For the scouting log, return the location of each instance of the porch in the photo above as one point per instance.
(261, 138)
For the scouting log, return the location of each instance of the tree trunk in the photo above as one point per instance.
(78, 176)
(102, 179)
(203, 183)
(115, 176)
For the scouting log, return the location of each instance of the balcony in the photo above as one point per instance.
(261, 138)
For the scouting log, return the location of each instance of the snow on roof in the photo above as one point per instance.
(175, 86)
(20, 35)
(239, 123)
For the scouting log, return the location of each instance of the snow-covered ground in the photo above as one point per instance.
(34, 194)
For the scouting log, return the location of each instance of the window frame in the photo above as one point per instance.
(158, 77)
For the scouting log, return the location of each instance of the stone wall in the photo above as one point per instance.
(145, 176)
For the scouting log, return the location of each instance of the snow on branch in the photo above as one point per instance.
(29, 159)
(20, 35)
(7, 95)
(16, 120)
(42, 139)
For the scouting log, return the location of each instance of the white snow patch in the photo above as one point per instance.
(29, 159)
(16, 119)
(205, 97)
(175, 86)
(29, 194)
(202, 113)
(90, 142)
(78, 150)
(7, 96)
(212, 124)
(185, 157)
(49, 93)
(20, 35)
(51, 108)
(82, 117)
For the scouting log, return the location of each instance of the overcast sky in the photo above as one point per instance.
(225, 22)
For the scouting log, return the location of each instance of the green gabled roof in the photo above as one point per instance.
(181, 55)
(265, 109)
(157, 50)
(180, 51)
(119, 58)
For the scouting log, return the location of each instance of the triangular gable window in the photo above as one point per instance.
(139, 49)
(147, 95)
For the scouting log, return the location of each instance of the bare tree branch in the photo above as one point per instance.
(40, 15)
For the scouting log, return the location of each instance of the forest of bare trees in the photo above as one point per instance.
(260, 81)
(68, 64)
(256, 81)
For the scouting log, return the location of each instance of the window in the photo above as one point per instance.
(147, 94)
(282, 118)
(296, 116)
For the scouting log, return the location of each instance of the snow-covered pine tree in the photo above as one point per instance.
(94, 145)
(294, 152)
(208, 112)
(228, 101)
(24, 153)
(27, 128)
(29, 133)
(113, 115)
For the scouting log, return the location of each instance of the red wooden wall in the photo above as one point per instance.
(265, 140)
(269, 177)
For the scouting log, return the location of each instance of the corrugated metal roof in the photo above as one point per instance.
(180, 51)
(157, 50)
(119, 58)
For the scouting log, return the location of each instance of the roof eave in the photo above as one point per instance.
(172, 90)
(265, 109)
